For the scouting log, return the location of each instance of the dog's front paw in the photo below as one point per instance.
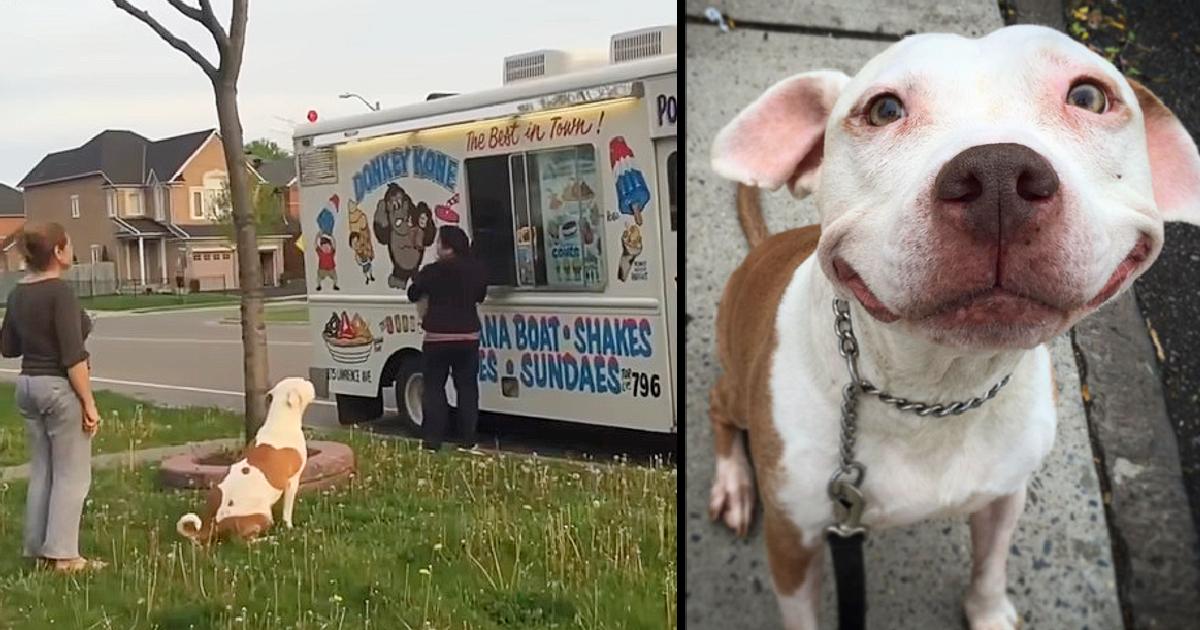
(732, 498)
(990, 613)
(287, 524)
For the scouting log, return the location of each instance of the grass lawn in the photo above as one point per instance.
(277, 314)
(418, 540)
(156, 301)
(128, 424)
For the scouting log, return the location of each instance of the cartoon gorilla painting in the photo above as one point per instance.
(407, 229)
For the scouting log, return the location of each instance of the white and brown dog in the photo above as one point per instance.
(977, 198)
(240, 506)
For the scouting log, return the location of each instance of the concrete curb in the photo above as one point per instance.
(134, 458)
(1154, 542)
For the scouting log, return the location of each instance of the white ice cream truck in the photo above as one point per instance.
(565, 179)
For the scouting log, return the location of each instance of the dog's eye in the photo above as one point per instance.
(1088, 96)
(885, 109)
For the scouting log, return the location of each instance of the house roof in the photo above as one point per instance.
(279, 172)
(139, 226)
(214, 230)
(12, 202)
(168, 155)
(121, 157)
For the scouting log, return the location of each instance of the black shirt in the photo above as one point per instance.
(454, 287)
(46, 327)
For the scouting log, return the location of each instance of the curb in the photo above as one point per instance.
(1154, 541)
(112, 460)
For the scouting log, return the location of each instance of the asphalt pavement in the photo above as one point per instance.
(192, 358)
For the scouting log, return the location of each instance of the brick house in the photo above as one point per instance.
(12, 217)
(148, 206)
(281, 176)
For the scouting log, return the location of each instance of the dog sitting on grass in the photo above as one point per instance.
(240, 506)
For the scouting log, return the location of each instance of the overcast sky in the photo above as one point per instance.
(72, 68)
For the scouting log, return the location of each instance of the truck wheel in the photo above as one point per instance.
(355, 409)
(410, 386)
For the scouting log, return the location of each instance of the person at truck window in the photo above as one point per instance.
(45, 326)
(452, 286)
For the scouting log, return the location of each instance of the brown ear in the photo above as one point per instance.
(1174, 161)
(780, 137)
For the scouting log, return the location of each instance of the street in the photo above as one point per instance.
(191, 358)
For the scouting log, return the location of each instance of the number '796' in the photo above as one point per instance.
(645, 385)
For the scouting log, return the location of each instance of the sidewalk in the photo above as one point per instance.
(1061, 567)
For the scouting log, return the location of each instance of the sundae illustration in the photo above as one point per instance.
(632, 192)
(360, 241)
(349, 339)
(325, 247)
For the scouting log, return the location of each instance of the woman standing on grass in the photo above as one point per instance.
(46, 327)
(453, 286)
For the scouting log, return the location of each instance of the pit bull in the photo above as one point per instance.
(240, 506)
(977, 197)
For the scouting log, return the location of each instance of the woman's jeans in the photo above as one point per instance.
(60, 465)
(459, 359)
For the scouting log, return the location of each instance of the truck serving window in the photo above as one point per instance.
(490, 198)
(555, 228)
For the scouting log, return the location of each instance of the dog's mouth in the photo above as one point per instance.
(997, 307)
(849, 277)
(1138, 255)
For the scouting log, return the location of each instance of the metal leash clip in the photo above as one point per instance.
(848, 501)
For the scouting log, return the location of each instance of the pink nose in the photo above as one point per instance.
(992, 191)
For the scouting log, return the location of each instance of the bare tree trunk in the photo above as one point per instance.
(224, 78)
(254, 332)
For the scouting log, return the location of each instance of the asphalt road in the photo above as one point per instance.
(193, 359)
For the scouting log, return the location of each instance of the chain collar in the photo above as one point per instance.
(845, 486)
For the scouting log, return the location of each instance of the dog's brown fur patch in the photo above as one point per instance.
(277, 464)
(790, 560)
(741, 399)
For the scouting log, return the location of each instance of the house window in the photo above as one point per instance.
(110, 200)
(196, 257)
(536, 218)
(74, 206)
(133, 203)
(160, 202)
(95, 249)
(197, 203)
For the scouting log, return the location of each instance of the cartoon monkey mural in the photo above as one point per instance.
(406, 228)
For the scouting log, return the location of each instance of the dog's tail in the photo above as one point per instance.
(190, 526)
(750, 215)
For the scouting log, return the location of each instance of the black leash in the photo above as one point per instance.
(850, 578)
(847, 534)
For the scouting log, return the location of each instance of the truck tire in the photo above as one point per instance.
(409, 389)
(355, 409)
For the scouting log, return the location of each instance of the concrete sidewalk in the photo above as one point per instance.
(1060, 567)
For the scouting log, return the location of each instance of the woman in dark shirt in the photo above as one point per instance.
(46, 327)
(452, 286)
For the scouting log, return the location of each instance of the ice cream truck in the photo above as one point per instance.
(565, 180)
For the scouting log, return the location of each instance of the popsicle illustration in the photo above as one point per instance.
(632, 192)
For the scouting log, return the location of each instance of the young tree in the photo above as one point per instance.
(224, 78)
(266, 150)
(267, 210)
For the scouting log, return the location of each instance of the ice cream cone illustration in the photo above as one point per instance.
(632, 192)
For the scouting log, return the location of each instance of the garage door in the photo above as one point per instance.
(214, 270)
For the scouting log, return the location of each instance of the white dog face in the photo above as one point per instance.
(980, 193)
